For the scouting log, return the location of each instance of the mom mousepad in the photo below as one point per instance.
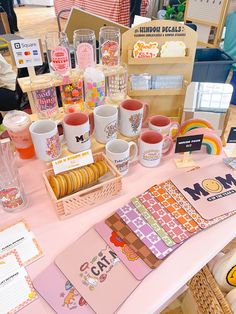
(210, 190)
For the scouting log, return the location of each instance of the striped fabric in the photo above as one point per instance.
(60, 5)
(115, 10)
(144, 7)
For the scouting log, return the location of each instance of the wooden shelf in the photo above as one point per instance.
(158, 60)
(158, 92)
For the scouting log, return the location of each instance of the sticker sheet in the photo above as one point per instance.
(130, 238)
(175, 230)
(173, 207)
(145, 233)
(60, 294)
(128, 256)
(16, 289)
(95, 270)
(18, 237)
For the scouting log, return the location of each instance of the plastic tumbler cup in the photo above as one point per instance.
(17, 124)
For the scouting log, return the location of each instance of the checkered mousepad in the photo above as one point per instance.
(129, 237)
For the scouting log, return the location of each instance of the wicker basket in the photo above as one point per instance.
(85, 199)
(207, 294)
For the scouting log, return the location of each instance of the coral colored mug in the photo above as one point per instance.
(151, 148)
(132, 115)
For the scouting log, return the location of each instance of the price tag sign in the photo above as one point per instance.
(73, 161)
(26, 52)
(232, 136)
(188, 143)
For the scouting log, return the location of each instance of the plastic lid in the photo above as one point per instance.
(16, 120)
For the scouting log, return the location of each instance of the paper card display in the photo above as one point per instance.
(19, 237)
(131, 260)
(97, 273)
(16, 289)
(60, 294)
(232, 136)
(188, 143)
(73, 161)
(210, 190)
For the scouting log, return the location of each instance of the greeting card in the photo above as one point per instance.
(97, 273)
(57, 290)
(18, 237)
(128, 256)
(210, 190)
(16, 289)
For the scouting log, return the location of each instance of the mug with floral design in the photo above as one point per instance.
(46, 139)
(132, 115)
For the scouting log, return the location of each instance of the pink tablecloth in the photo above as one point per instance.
(54, 235)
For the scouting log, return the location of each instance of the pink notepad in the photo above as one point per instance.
(54, 287)
(131, 260)
(97, 273)
(210, 190)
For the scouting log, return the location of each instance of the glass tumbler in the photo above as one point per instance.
(58, 52)
(45, 97)
(109, 45)
(85, 48)
(12, 195)
(116, 83)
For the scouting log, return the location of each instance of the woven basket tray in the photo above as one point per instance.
(207, 294)
(85, 199)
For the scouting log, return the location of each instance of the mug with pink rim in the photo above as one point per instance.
(152, 146)
(132, 115)
(163, 124)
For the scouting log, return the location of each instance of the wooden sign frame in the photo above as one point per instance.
(215, 26)
(167, 102)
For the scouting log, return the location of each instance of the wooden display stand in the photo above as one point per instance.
(167, 102)
(185, 162)
(209, 17)
(230, 121)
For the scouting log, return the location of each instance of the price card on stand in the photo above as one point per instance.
(230, 150)
(73, 161)
(187, 144)
(27, 52)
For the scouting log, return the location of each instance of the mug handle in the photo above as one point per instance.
(171, 144)
(61, 137)
(91, 123)
(174, 125)
(135, 153)
(146, 109)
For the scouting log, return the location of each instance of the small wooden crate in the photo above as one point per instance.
(87, 198)
(207, 294)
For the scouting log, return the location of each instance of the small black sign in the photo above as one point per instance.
(188, 143)
(232, 136)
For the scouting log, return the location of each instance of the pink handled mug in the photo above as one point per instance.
(164, 125)
(78, 128)
(152, 146)
(132, 115)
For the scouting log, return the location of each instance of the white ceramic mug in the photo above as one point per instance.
(151, 148)
(164, 125)
(132, 114)
(119, 152)
(46, 139)
(105, 123)
(77, 131)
